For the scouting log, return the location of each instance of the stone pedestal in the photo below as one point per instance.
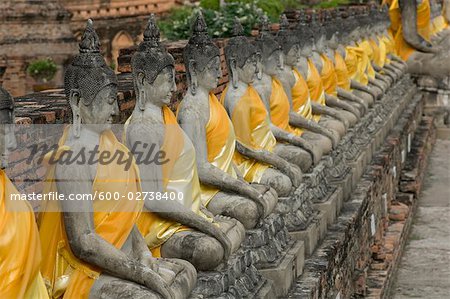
(312, 234)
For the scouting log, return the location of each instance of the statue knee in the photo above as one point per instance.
(350, 117)
(320, 141)
(207, 253)
(280, 182)
(247, 213)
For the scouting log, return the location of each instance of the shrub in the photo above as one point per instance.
(42, 69)
(220, 22)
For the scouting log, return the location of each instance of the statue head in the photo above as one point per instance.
(319, 33)
(332, 29)
(90, 85)
(304, 35)
(271, 55)
(289, 42)
(241, 57)
(201, 58)
(7, 137)
(153, 70)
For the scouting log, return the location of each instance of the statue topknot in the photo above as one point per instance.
(88, 72)
(200, 48)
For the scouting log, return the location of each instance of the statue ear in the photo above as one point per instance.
(74, 100)
(233, 72)
(192, 74)
(140, 79)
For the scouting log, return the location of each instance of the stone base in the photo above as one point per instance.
(287, 271)
(267, 291)
(312, 235)
(332, 206)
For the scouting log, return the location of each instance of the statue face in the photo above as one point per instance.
(247, 72)
(274, 63)
(160, 91)
(102, 109)
(210, 76)
(320, 43)
(293, 56)
(333, 42)
(7, 137)
(307, 50)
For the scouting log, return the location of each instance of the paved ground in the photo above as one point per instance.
(424, 270)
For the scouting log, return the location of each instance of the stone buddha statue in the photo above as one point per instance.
(359, 99)
(325, 68)
(255, 144)
(290, 145)
(206, 122)
(296, 89)
(414, 43)
(321, 113)
(172, 228)
(93, 247)
(20, 248)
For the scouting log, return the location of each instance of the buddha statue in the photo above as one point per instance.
(414, 43)
(172, 228)
(93, 248)
(321, 113)
(296, 89)
(255, 144)
(290, 145)
(20, 248)
(327, 73)
(360, 99)
(223, 188)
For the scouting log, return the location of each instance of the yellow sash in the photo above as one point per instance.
(113, 221)
(356, 63)
(367, 58)
(376, 58)
(403, 49)
(280, 107)
(20, 249)
(301, 101)
(252, 128)
(315, 86)
(342, 74)
(221, 144)
(179, 177)
(328, 76)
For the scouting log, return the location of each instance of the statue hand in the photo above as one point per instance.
(225, 242)
(154, 282)
(295, 174)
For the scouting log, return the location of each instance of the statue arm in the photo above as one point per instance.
(374, 82)
(207, 172)
(409, 24)
(321, 109)
(91, 248)
(351, 97)
(151, 181)
(292, 171)
(299, 121)
(293, 139)
(356, 85)
(334, 102)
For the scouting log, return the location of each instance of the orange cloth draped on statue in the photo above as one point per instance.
(220, 142)
(342, 74)
(179, 177)
(315, 86)
(403, 49)
(280, 107)
(328, 76)
(113, 221)
(20, 249)
(356, 62)
(301, 101)
(252, 127)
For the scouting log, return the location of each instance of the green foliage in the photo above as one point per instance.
(272, 8)
(210, 4)
(220, 22)
(42, 69)
(292, 4)
(331, 3)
